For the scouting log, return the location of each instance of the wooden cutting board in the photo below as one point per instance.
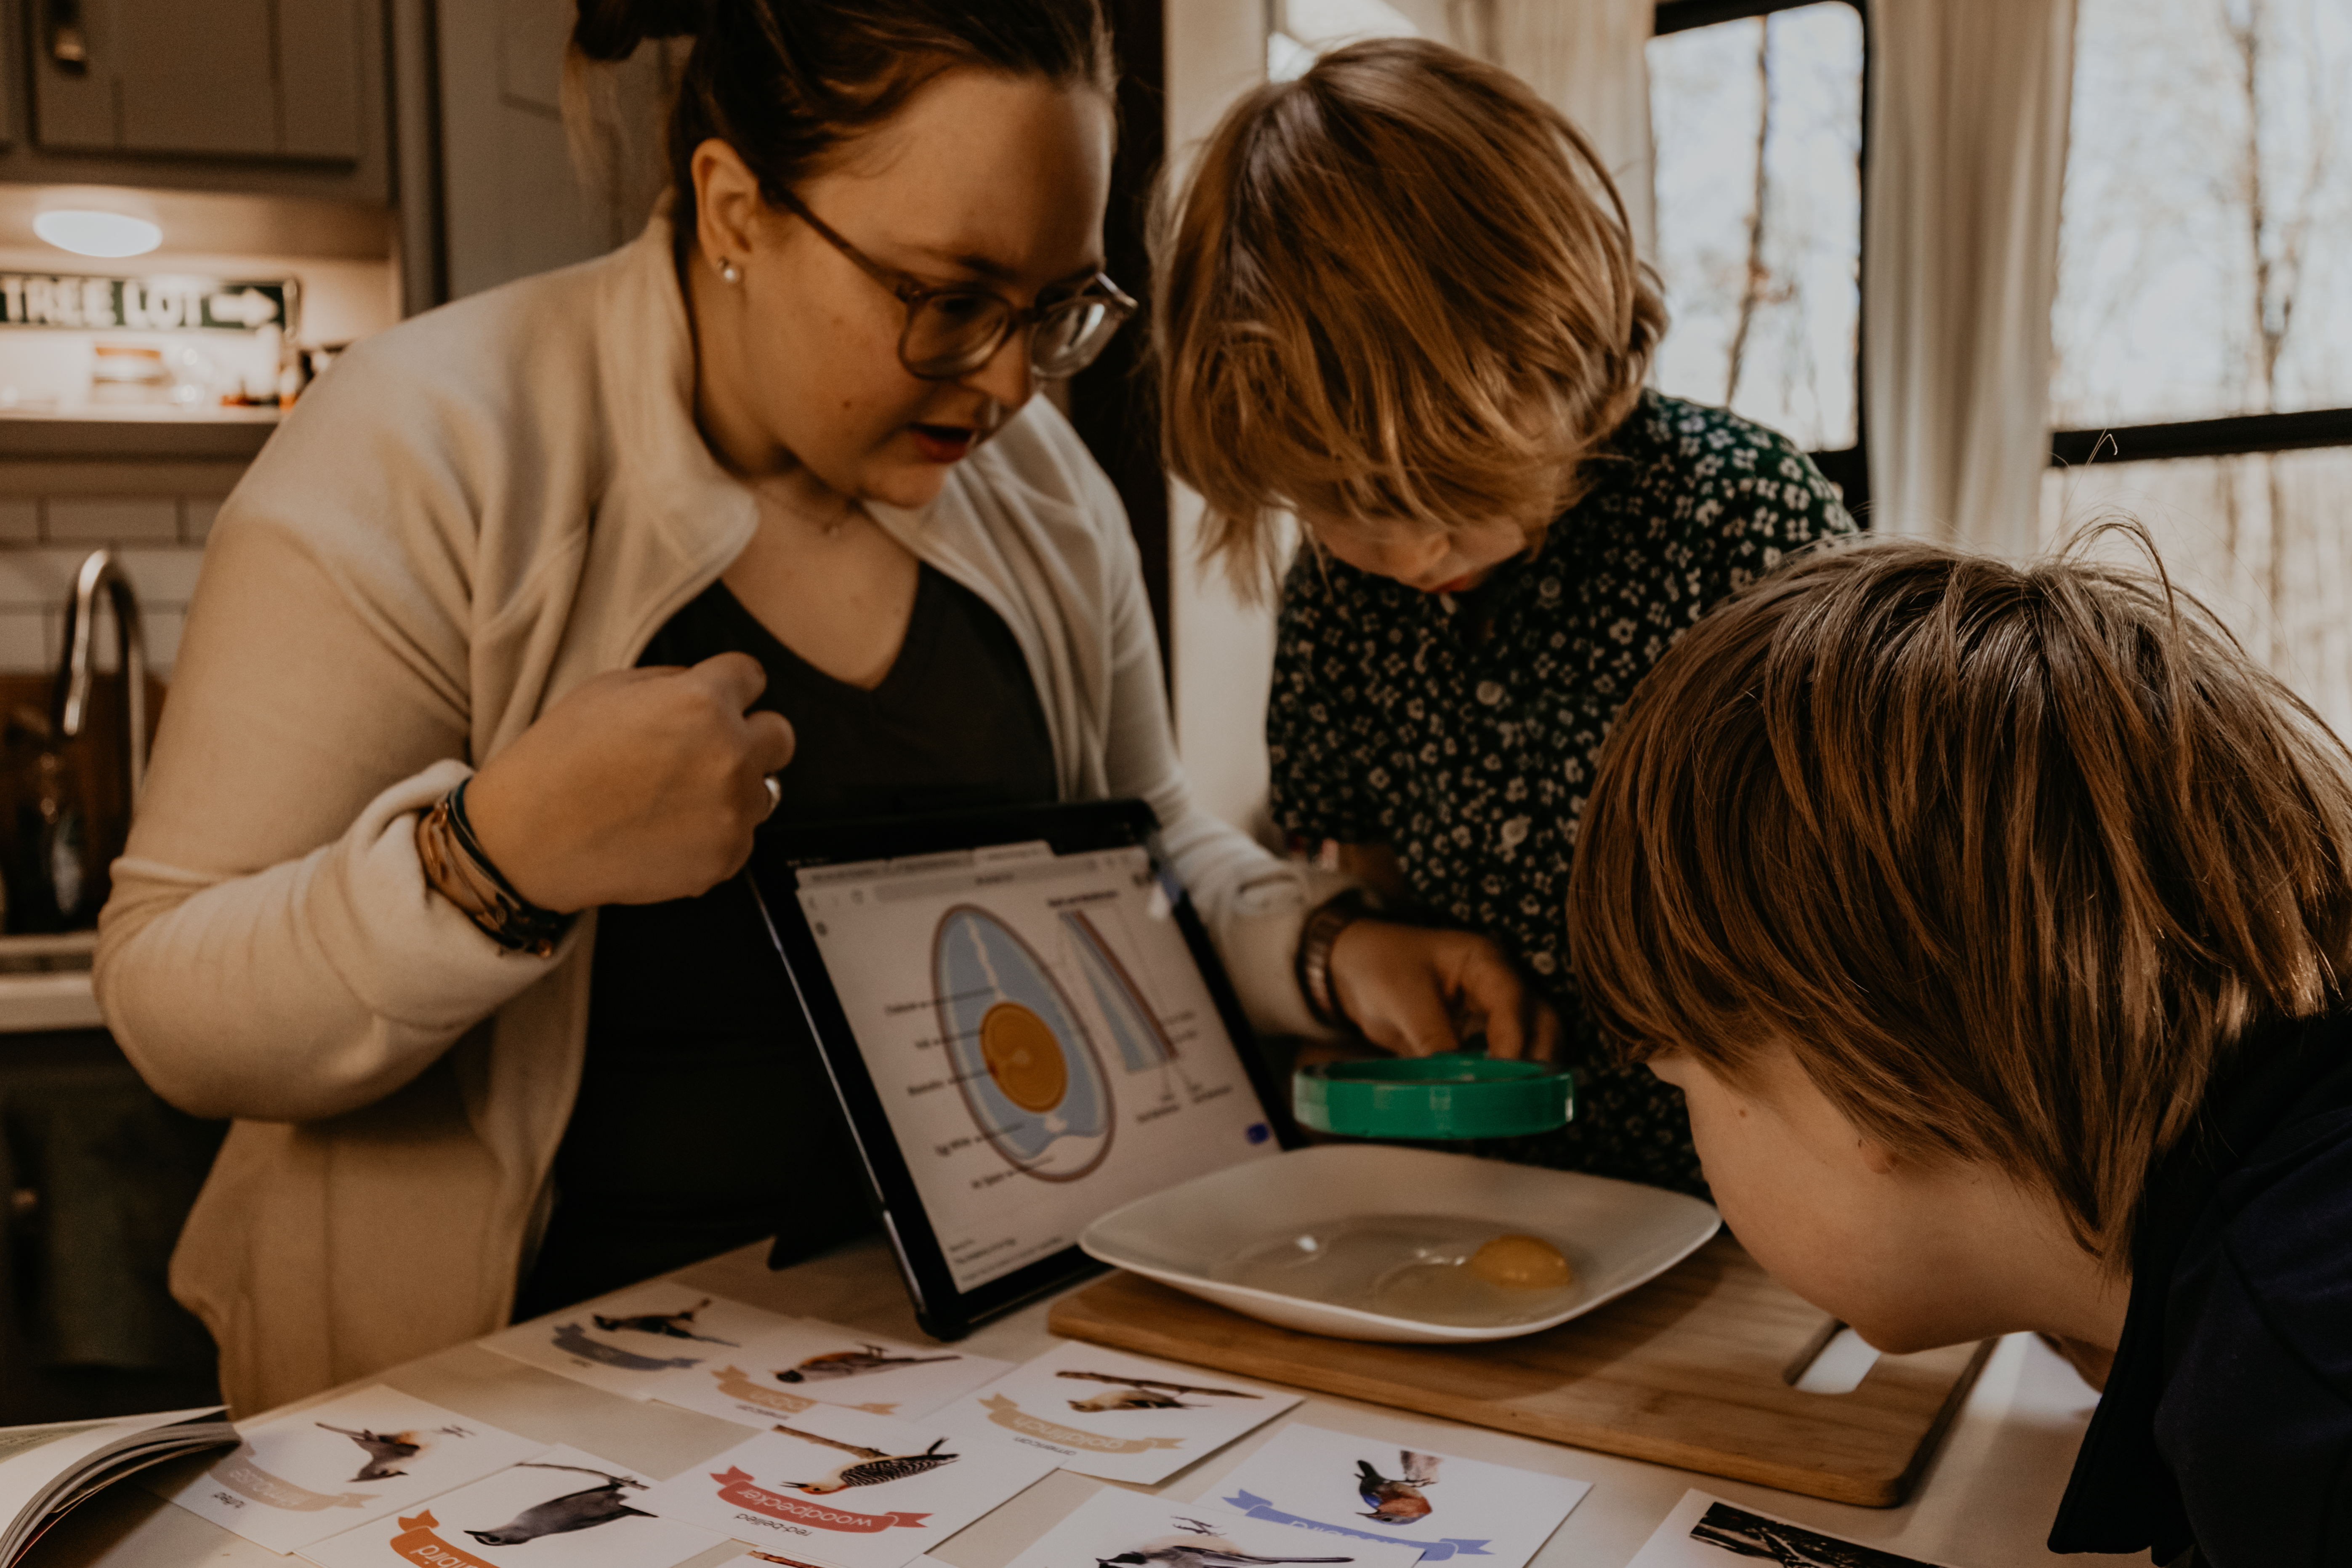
(1691, 1370)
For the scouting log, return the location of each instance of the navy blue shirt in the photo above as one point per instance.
(2227, 1420)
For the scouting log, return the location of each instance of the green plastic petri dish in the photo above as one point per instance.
(1454, 1095)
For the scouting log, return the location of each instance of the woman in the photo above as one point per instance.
(1401, 303)
(779, 455)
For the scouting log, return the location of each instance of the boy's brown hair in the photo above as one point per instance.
(1401, 288)
(2009, 858)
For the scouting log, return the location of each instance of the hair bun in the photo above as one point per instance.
(611, 29)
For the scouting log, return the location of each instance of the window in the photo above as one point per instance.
(2202, 331)
(1299, 30)
(1757, 113)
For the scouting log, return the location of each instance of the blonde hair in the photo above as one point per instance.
(1401, 287)
(2011, 857)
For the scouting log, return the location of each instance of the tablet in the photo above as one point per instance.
(1026, 1027)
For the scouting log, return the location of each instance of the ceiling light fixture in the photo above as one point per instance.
(89, 233)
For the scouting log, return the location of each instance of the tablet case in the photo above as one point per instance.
(785, 850)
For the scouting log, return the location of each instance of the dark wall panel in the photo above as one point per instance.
(1112, 402)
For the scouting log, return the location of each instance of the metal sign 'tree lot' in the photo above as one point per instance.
(145, 304)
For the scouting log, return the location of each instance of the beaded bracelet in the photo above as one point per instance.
(1312, 963)
(456, 866)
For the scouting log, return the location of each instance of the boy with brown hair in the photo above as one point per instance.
(1995, 921)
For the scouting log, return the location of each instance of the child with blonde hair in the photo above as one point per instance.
(1995, 921)
(1399, 301)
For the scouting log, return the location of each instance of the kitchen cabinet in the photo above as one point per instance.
(262, 97)
(261, 79)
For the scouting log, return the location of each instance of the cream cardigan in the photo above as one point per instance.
(471, 514)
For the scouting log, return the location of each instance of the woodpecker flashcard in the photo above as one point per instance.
(589, 1511)
(627, 1342)
(1707, 1532)
(1114, 1528)
(1118, 1416)
(809, 1363)
(838, 1488)
(1379, 1489)
(297, 1478)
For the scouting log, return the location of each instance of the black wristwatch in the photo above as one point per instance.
(1313, 961)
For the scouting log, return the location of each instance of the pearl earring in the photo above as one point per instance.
(732, 273)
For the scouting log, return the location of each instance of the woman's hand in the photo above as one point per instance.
(637, 786)
(1417, 990)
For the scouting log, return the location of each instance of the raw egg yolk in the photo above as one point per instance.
(1520, 1263)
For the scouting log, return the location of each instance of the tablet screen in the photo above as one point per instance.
(1040, 1036)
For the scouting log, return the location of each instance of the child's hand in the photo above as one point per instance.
(1417, 990)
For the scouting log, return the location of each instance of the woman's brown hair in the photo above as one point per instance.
(786, 82)
(2011, 858)
(1400, 288)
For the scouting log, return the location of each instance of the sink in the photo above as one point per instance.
(45, 982)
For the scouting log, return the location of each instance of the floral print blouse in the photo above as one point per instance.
(1462, 732)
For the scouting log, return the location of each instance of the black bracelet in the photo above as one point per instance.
(1312, 964)
(513, 921)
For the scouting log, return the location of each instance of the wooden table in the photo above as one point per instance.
(1985, 1502)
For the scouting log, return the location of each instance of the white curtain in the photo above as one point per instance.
(1585, 57)
(1968, 155)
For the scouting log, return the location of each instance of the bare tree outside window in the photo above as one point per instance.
(1757, 125)
(2205, 276)
(2206, 252)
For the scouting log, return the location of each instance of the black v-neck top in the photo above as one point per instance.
(705, 1119)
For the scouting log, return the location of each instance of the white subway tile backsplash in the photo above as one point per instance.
(104, 520)
(162, 629)
(37, 579)
(35, 583)
(24, 642)
(161, 577)
(45, 539)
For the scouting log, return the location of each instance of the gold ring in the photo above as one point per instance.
(775, 794)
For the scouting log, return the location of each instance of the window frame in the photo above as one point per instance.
(2222, 436)
(2230, 435)
(1848, 468)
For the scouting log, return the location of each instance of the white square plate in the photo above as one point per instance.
(1615, 1235)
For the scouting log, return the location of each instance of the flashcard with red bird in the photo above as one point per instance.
(838, 1488)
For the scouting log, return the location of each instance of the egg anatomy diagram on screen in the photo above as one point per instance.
(1039, 1033)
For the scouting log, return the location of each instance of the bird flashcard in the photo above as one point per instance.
(1118, 1416)
(1116, 1529)
(565, 1509)
(836, 1488)
(1707, 1532)
(297, 1478)
(806, 1362)
(1372, 1488)
(677, 1325)
(628, 1342)
(1146, 1393)
(1401, 1498)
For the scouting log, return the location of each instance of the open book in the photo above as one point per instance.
(44, 1470)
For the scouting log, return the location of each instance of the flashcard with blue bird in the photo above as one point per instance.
(1391, 1487)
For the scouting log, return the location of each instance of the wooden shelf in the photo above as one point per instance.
(236, 434)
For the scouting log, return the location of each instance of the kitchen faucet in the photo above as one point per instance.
(70, 701)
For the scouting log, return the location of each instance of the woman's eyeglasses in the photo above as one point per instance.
(953, 332)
